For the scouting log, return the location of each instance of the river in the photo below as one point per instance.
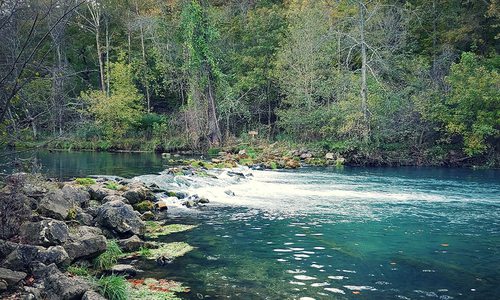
(325, 233)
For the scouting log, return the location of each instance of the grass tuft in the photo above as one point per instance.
(85, 181)
(109, 257)
(113, 287)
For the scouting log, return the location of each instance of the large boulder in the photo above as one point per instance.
(45, 232)
(75, 194)
(53, 255)
(114, 198)
(97, 192)
(120, 218)
(11, 277)
(60, 286)
(85, 242)
(55, 205)
(21, 257)
(137, 192)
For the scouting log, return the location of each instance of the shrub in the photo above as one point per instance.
(113, 287)
(85, 181)
(109, 258)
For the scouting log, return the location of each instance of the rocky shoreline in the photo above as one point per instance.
(69, 240)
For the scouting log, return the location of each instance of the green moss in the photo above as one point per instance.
(170, 251)
(108, 258)
(273, 165)
(158, 230)
(144, 206)
(85, 181)
(153, 289)
(114, 287)
(113, 185)
(71, 214)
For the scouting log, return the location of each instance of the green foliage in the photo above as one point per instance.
(113, 287)
(145, 252)
(144, 206)
(170, 251)
(108, 258)
(85, 181)
(472, 108)
(112, 185)
(121, 110)
(81, 271)
(71, 214)
(158, 230)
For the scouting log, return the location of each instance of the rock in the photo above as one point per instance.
(181, 195)
(203, 200)
(149, 215)
(292, 164)
(85, 242)
(76, 195)
(162, 204)
(122, 269)
(3, 285)
(137, 192)
(11, 277)
(85, 218)
(60, 286)
(55, 205)
(91, 295)
(44, 233)
(306, 155)
(98, 192)
(189, 203)
(144, 206)
(21, 257)
(329, 156)
(121, 218)
(53, 255)
(114, 198)
(166, 155)
(131, 244)
(229, 193)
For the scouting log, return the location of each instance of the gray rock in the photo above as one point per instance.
(11, 277)
(91, 295)
(189, 203)
(60, 286)
(84, 218)
(148, 215)
(181, 195)
(229, 193)
(131, 244)
(137, 192)
(76, 195)
(85, 242)
(98, 192)
(55, 205)
(53, 255)
(306, 155)
(114, 198)
(329, 156)
(123, 269)
(3, 285)
(121, 218)
(21, 257)
(203, 200)
(45, 233)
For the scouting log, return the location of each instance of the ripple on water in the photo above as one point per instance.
(337, 277)
(335, 290)
(304, 277)
(360, 288)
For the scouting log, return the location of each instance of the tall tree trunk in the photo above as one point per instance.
(99, 57)
(107, 59)
(364, 105)
(145, 80)
(213, 123)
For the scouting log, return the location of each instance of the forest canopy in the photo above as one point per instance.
(411, 81)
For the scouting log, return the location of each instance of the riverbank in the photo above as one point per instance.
(80, 239)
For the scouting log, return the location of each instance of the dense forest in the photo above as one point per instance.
(414, 82)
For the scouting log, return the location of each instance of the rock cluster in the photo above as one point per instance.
(67, 223)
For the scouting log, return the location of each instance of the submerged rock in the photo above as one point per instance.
(121, 218)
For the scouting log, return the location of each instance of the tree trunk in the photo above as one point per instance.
(99, 57)
(364, 105)
(213, 124)
(107, 59)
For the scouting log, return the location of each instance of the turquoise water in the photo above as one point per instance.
(385, 233)
(344, 234)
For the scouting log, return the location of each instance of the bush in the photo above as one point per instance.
(113, 287)
(109, 258)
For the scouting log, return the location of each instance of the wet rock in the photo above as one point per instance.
(181, 195)
(11, 277)
(236, 174)
(91, 295)
(203, 200)
(121, 218)
(131, 244)
(189, 203)
(162, 204)
(229, 193)
(85, 242)
(55, 205)
(75, 194)
(123, 269)
(60, 286)
(44, 233)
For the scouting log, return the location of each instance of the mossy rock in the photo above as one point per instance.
(144, 206)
